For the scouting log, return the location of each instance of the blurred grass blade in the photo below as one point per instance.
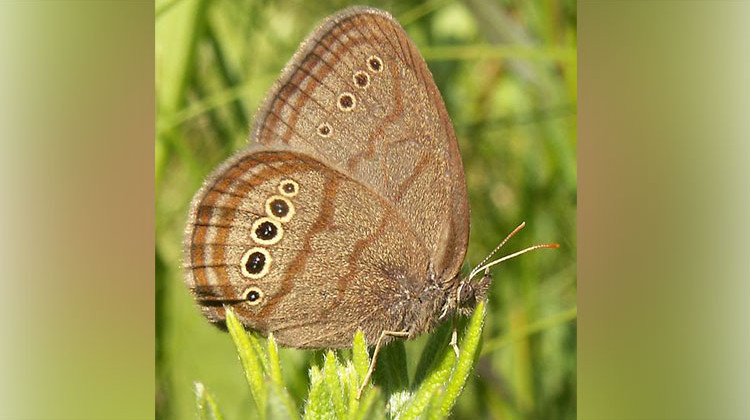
(430, 354)
(180, 31)
(391, 372)
(207, 408)
(277, 380)
(422, 9)
(250, 359)
(470, 345)
(431, 386)
(278, 407)
(177, 36)
(162, 7)
(371, 406)
(530, 329)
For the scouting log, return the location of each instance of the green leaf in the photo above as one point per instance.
(442, 384)
(439, 379)
(351, 387)
(360, 364)
(397, 401)
(273, 361)
(332, 376)
(250, 359)
(207, 408)
(319, 404)
(470, 346)
(260, 351)
(360, 356)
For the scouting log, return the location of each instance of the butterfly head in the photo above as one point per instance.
(469, 293)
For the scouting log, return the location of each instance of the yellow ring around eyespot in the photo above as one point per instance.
(247, 292)
(289, 194)
(289, 204)
(266, 266)
(351, 97)
(261, 241)
(324, 126)
(380, 62)
(356, 81)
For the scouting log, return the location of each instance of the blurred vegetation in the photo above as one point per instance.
(440, 377)
(507, 72)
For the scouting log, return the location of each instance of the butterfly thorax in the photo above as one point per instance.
(441, 300)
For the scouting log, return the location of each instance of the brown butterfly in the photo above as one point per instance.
(349, 210)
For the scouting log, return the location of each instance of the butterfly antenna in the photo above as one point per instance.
(484, 267)
(497, 248)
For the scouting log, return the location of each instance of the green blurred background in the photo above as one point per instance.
(507, 73)
(663, 201)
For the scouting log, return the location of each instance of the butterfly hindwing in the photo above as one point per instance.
(331, 259)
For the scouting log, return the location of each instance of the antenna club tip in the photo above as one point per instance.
(553, 246)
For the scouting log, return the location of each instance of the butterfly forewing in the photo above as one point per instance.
(359, 97)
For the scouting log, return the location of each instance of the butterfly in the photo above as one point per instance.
(349, 210)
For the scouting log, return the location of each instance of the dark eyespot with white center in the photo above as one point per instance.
(361, 79)
(255, 263)
(266, 231)
(289, 188)
(375, 63)
(325, 130)
(279, 208)
(346, 102)
(253, 295)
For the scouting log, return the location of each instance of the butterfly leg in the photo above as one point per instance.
(402, 334)
(454, 338)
